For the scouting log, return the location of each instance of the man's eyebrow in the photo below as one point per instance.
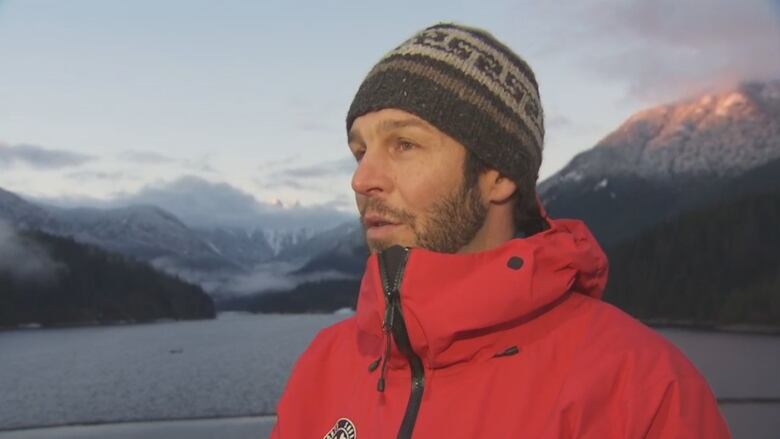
(394, 124)
(354, 137)
(386, 126)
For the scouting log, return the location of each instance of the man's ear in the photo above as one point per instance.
(499, 188)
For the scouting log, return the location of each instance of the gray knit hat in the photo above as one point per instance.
(470, 86)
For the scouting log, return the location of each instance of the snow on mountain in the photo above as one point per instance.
(343, 238)
(244, 247)
(279, 240)
(231, 222)
(144, 232)
(334, 254)
(223, 213)
(132, 229)
(241, 249)
(717, 135)
(204, 204)
(669, 159)
(25, 215)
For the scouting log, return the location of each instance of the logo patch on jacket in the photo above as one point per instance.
(344, 429)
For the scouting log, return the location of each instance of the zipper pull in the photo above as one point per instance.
(391, 267)
(387, 328)
(380, 385)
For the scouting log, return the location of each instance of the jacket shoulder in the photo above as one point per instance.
(308, 379)
(638, 373)
(311, 382)
(618, 336)
(328, 340)
(629, 356)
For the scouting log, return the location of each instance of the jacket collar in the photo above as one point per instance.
(457, 304)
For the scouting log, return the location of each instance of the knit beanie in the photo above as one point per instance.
(470, 86)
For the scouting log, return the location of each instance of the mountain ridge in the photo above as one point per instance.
(712, 136)
(81, 283)
(666, 159)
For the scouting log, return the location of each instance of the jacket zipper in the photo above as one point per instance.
(394, 322)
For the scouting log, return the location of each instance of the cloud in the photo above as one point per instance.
(204, 167)
(665, 49)
(341, 202)
(271, 276)
(273, 164)
(24, 259)
(557, 121)
(195, 200)
(40, 158)
(145, 157)
(669, 48)
(200, 165)
(202, 203)
(274, 276)
(304, 178)
(97, 175)
(261, 281)
(339, 167)
(287, 183)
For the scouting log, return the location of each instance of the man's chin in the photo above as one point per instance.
(384, 237)
(378, 245)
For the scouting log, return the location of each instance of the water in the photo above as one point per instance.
(226, 375)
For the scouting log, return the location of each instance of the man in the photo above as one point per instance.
(478, 315)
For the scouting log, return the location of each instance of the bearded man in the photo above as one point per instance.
(478, 315)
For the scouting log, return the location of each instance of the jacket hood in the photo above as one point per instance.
(454, 305)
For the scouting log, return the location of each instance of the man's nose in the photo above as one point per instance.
(371, 176)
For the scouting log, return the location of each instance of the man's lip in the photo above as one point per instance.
(377, 221)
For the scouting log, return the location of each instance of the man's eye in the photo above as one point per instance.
(359, 155)
(404, 145)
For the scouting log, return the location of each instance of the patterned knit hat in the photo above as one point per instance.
(468, 85)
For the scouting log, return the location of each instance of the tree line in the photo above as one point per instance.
(95, 286)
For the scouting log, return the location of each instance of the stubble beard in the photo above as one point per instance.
(452, 222)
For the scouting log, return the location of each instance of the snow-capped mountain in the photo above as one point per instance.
(231, 222)
(234, 222)
(280, 240)
(25, 215)
(668, 159)
(143, 232)
(345, 234)
(712, 136)
(244, 247)
(204, 251)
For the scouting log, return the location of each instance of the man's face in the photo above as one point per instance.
(410, 186)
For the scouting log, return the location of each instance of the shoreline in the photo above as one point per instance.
(33, 326)
(245, 427)
(737, 328)
(263, 416)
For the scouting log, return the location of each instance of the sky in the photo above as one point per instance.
(103, 99)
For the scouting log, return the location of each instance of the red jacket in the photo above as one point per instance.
(513, 342)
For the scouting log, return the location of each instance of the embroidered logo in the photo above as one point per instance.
(344, 429)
